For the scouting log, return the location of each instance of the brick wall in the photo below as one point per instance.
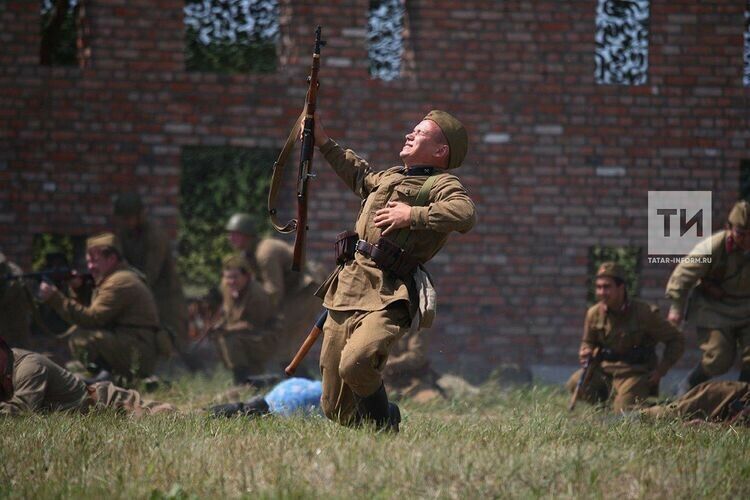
(556, 163)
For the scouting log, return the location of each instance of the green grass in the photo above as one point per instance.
(516, 443)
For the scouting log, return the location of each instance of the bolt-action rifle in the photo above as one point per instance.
(305, 123)
(589, 366)
(58, 274)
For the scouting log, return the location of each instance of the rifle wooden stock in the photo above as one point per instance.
(592, 361)
(312, 337)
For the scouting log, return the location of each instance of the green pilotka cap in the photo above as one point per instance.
(128, 203)
(740, 215)
(107, 240)
(454, 132)
(611, 270)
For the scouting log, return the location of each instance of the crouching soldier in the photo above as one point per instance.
(118, 334)
(408, 373)
(31, 383)
(243, 337)
(621, 334)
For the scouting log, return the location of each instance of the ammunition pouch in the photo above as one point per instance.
(389, 257)
(635, 356)
(346, 245)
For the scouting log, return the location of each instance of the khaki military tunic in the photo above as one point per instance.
(16, 306)
(244, 337)
(408, 373)
(710, 401)
(119, 328)
(292, 302)
(149, 251)
(42, 386)
(369, 309)
(638, 325)
(722, 323)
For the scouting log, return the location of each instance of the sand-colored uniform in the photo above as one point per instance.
(41, 386)
(408, 373)
(15, 306)
(713, 401)
(637, 326)
(244, 338)
(370, 309)
(149, 251)
(719, 302)
(293, 304)
(118, 329)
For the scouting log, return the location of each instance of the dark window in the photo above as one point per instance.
(58, 33)
(628, 257)
(231, 36)
(385, 43)
(745, 180)
(622, 42)
(217, 182)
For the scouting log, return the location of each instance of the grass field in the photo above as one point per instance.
(501, 443)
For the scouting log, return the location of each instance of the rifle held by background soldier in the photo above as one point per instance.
(589, 366)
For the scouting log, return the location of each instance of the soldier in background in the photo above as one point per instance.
(16, 305)
(243, 336)
(719, 304)
(293, 304)
(31, 383)
(118, 334)
(146, 246)
(408, 373)
(709, 402)
(626, 331)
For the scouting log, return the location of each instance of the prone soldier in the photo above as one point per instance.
(31, 383)
(712, 402)
(146, 246)
(719, 305)
(118, 334)
(372, 298)
(626, 332)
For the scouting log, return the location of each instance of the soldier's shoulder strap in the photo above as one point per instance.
(420, 201)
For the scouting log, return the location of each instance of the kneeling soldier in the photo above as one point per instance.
(31, 383)
(243, 337)
(625, 333)
(119, 331)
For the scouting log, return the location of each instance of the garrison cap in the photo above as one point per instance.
(611, 270)
(108, 240)
(235, 261)
(454, 132)
(128, 203)
(740, 215)
(242, 223)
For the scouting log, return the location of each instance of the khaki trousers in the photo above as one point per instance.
(707, 401)
(126, 355)
(245, 351)
(721, 346)
(626, 391)
(355, 350)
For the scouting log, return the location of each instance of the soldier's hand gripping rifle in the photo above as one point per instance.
(589, 366)
(306, 124)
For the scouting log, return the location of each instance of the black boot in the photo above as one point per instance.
(376, 409)
(744, 375)
(251, 408)
(695, 377)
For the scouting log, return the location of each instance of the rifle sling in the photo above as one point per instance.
(278, 176)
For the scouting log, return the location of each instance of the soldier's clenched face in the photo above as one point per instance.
(235, 280)
(425, 145)
(610, 293)
(101, 263)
